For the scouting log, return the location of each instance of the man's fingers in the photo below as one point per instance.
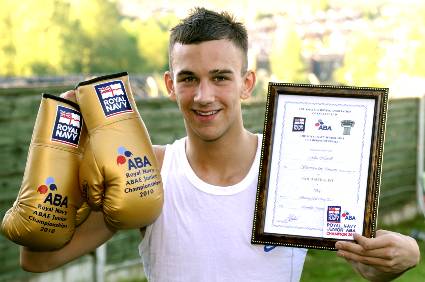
(381, 263)
(349, 247)
(389, 252)
(391, 265)
(381, 232)
(372, 243)
(69, 95)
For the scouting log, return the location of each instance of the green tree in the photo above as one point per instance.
(286, 61)
(361, 61)
(412, 42)
(7, 47)
(152, 40)
(392, 46)
(29, 40)
(96, 41)
(60, 36)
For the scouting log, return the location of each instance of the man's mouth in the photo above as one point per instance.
(203, 113)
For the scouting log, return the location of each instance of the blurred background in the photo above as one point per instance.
(363, 42)
(51, 45)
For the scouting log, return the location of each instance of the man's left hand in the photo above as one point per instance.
(382, 258)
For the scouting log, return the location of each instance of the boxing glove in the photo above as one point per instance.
(119, 172)
(82, 214)
(43, 216)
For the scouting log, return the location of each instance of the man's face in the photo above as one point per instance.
(208, 84)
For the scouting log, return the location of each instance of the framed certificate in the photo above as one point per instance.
(320, 166)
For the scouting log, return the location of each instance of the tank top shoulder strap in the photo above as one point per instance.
(170, 151)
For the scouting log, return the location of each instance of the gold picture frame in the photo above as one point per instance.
(321, 162)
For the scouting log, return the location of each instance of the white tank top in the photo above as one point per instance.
(204, 231)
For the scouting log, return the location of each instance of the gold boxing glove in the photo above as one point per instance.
(119, 172)
(82, 214)
(43, 216)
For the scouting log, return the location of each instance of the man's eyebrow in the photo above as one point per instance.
(223, 71)
(185, 72)
(212, 72)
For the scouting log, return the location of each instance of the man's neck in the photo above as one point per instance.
(222, 162)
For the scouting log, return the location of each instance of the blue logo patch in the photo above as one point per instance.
(113, 98)
(298, 124)
(334, 214)
(67, 126)
(268, 248)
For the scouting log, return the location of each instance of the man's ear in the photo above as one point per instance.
(249, 84)
(168, 81)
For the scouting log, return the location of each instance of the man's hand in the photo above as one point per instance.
(69, 95)
(382, 258)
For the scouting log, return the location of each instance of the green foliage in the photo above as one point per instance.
(51, 37)
(58, 37)
(361, 62)
(28, 37)
(152, 41)
(393, 45)
(412, 35)
(285, 58)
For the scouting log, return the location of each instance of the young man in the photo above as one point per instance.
(210, 178)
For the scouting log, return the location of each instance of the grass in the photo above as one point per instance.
(326, 266)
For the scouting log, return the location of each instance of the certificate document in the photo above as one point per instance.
(320, 164)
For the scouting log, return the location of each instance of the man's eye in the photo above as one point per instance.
(188, 79)
(220, 78)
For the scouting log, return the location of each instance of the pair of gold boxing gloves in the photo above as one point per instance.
(112, 162)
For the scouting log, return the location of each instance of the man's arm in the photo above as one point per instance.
(383, 258)
(87, 237)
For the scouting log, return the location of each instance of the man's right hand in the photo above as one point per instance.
(87, 237)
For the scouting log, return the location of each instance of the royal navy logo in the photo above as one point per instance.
(298, 124)
(334, 214)
(113, 98)
(67, 126)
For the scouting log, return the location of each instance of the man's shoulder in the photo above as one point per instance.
(159, 151)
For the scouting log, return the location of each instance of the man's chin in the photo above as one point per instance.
(208, 137)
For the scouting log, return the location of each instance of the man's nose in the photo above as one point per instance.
(205, 93)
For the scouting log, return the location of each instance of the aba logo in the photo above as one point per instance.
(125, 156)
(298, 124)
(54, 199)
(67, 126)
(49, 184)
(347, 216)
(321, 125)
(113, 98)
(334, 214)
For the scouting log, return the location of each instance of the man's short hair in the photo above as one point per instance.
(204, 25)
